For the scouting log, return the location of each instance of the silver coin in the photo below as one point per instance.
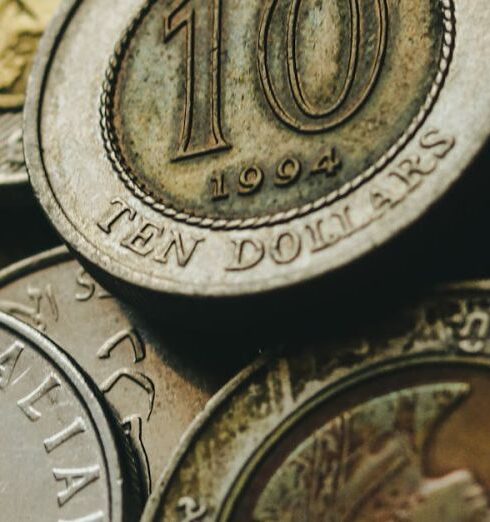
(61, 456)
(240, 147)
(153, 390)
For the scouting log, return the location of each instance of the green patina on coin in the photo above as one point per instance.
(240, 110)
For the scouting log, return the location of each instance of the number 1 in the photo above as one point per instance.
(201, 131)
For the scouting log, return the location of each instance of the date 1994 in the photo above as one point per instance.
(288, 172)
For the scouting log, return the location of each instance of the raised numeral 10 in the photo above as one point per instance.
(201, 131)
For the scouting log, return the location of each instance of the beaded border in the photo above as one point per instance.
(120, 165)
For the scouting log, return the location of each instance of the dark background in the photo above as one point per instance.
(448, 244)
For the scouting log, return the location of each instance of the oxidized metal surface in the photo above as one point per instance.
(388, 427)
(61, 456)
(22, 23)
(155, 393)
(236, 147)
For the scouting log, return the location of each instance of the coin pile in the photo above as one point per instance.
(220, 338)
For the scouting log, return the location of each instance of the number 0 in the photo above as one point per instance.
(316, 120)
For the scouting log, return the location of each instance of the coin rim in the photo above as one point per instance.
(132, 180)
(228, 391)
(81, 389)
(362, 241)
(33, 263)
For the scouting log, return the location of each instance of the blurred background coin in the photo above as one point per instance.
(155, 392)
(383, 425)
(21, 26)
(62, 458)
(250, 146)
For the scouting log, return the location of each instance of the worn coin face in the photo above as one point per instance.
(154, 393)
(385, 427)
(61, 458)
(21, 25)
(236, 147)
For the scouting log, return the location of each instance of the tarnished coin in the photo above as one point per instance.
(230, 147)
(391, 426)
(155, 394)
(21, 25)
(61, 456)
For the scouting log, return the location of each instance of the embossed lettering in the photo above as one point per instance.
(75, 428)
(183, 250)
(250, 180)
(86, 282)
(329, 164)
(34, 313)
(138, 241)
(191, 509)
(8, 361)
(316, 232)
(433, 139)
(137, 345)
(201, 128)
(218, 188)
(288, 172)
(286, 247)
(474, 332)
(138, 378)
(132, 425)
(75, 480)
(115, 215)
(172, 245)
(343, 215)
(380, 198)
(27, 403)
(247, 253)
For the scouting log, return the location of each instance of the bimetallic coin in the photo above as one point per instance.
(155, 393)
(61, 456)
(389, 426)
(230, 148)
(21, 25)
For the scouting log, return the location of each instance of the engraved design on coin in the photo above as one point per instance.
(41, 310)
(368, 464)
(58, 439)
(294, 104)
(152, 394)
(386, 426)
(22, 23)
(11, 152)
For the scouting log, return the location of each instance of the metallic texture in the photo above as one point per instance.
(22, 23)
(386, 425)
(240, 147)
(155, 392)
(62, 458)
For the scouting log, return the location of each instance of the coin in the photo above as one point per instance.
(21, 25)
(61, 456)
(384, 425)
(155, 392)
(239, 147)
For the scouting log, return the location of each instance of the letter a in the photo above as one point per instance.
(8, 360)
(75, 480)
